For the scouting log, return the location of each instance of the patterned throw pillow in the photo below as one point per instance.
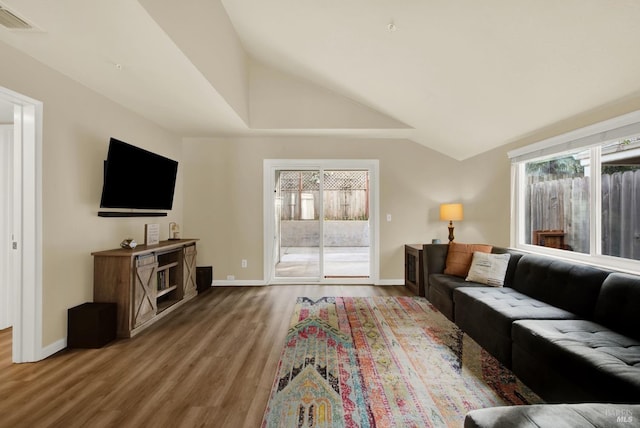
(459, 257)
(489, 269)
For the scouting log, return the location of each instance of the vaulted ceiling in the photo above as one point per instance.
(458, 76)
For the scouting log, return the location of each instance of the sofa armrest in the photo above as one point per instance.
(434, 258)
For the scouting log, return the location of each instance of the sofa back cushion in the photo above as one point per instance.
(459, 257)
(570, 286)
(618, 303)
(513, 263)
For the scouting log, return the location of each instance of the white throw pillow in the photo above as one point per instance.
(489, 269)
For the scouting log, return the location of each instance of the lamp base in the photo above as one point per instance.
(451, 237)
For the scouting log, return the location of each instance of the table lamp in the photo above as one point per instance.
(451, 212)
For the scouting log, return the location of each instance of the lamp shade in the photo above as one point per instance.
(451, 212)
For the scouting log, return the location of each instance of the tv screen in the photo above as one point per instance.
(137, 178)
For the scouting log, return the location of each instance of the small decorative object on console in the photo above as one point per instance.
(129, 243)
(152, 234)
(174, 231)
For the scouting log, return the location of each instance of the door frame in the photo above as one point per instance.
(6, 206)
(270, 166)
(26, 271)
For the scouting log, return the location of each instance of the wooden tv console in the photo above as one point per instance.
(146, 282)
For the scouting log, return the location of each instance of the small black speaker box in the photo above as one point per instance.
(91, 325)
(204, 277)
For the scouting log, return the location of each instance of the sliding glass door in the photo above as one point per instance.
(318, 224)
(297, 204)
(345, 229)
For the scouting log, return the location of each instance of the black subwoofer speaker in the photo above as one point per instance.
(204, 277)
(91, 325)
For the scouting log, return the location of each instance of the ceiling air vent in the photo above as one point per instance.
(9, 20)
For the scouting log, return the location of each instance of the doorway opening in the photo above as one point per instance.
(6, 192)
(22, 225)
(321, 221)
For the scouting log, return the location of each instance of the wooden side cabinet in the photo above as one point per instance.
(413, 271)
(146, 282)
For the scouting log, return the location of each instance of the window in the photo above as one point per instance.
(578, 195)
(620, 189)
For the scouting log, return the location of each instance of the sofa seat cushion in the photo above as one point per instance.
(448, 283)
(601, 362)
(556, 416)
(498, 308)
(486, 314)
(440, 292)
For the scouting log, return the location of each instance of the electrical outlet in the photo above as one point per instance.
(244, 263)
(388, 217)
(231, 278)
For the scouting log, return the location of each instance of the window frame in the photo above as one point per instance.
(593, 138)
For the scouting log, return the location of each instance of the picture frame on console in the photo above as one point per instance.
(151, 234)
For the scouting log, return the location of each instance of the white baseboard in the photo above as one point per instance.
(390, 282)
(257, 282)
(237, 283)
(51, 349)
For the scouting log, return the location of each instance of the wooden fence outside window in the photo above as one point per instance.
(563, 204)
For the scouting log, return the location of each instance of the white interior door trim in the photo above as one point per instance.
(6, 190)
(269, 173)
(26, 274)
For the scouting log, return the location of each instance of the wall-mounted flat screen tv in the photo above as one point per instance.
(137, 178)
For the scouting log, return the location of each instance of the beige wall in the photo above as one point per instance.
(281, 101)
(223, 191)
(224, 204)
(485, 193)
(76, 131)
(223, 186)
(485, 179)
(211, 44)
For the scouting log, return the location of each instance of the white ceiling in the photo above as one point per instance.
(459, 76)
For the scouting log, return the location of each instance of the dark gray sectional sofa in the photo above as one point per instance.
(556, 416)
(571, 332)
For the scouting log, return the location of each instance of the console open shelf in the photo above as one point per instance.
(162, 292)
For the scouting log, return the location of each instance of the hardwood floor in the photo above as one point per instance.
(210, 363)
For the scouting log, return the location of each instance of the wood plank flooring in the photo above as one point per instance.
(211, 363)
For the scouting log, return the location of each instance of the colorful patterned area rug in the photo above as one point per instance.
(383, 362)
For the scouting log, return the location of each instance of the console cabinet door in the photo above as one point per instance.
(145, 286)
(189, 271)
